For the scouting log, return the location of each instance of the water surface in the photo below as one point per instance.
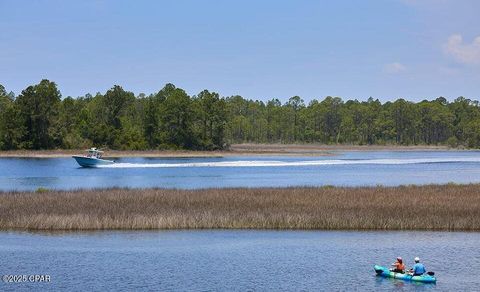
(344, 169)
(236, 260)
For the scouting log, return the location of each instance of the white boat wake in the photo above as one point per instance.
(274, 163)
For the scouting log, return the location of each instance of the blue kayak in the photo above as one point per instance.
(386, 273)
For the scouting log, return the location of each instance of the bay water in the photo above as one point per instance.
(239, 260)
(388, 168)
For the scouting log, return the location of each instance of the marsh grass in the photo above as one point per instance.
(433, 207)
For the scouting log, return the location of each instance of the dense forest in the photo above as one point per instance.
(38, 118)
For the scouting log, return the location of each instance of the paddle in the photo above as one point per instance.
(428, 273)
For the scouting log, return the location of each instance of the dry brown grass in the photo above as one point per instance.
(110, 153)
(323, 149)
(235, 150)
(434, 207)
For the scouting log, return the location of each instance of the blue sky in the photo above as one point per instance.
(386, 49)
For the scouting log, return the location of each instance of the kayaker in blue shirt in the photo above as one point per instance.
(418, 269)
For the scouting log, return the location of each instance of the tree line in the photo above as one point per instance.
(38, 118)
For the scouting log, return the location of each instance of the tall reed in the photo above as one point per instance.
(432, 207)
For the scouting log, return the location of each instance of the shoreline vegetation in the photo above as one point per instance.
(39, 117)
(234, 150)
(432, 207)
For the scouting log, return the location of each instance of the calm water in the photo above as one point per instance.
(346, 168)
(237, 260)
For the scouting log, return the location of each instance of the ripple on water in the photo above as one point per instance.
(238, 260)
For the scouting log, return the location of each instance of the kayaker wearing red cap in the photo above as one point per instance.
(399, 266)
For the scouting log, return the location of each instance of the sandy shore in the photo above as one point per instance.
(432, 207)
(322, 148)
(235, 150)
(110, 153)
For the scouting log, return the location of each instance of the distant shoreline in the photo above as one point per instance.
(432, 207)
(235, 150)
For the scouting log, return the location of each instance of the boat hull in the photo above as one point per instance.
(386, 273)
(91, 162)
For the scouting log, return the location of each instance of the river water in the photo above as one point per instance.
(236, 260)
(343, 169)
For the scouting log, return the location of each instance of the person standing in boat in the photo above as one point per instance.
(418, 269)
(398, 266)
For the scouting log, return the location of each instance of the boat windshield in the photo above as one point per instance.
(94, 153)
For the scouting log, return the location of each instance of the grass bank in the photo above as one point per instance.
(58, 153)
(234, 150)
(312, 149)
(433, 207)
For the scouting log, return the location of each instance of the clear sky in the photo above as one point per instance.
(386, 49)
